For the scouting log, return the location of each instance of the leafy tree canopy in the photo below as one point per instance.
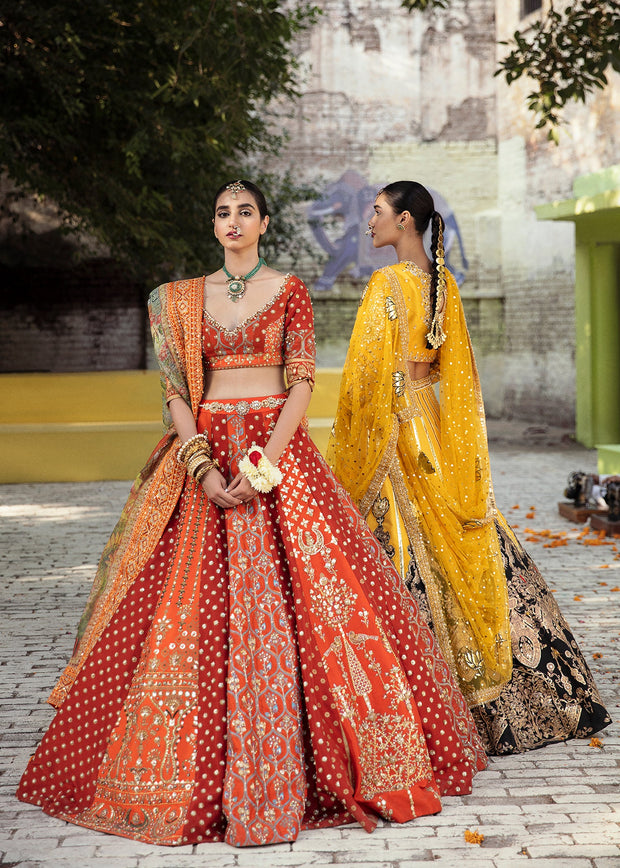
(566, 53)
(130, 114)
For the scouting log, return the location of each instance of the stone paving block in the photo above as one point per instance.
(112, 845)
(25, 864)
(531, 812)
(554, 790)
(543, 863)
(41, 848)
(374, 843)
(582, 798)
(204, 858)
(600, 835)
(97, 862)
(472, 859)
(339, 861)
(255, 857)
(574, 851)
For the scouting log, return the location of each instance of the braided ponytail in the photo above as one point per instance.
(436, 335)
(413, 197)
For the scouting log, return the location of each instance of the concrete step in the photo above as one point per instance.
(100, 425)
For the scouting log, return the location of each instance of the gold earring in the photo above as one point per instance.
(400, 226)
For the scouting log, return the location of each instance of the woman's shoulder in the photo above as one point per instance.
(378, 283)
(176, 289)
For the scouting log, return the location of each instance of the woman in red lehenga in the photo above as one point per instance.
(248, 664)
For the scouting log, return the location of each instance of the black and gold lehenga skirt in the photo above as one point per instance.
(551, 695)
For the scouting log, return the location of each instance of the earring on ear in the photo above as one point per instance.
(400, 226)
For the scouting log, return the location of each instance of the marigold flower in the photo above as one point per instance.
(596, 742)
(474, 837)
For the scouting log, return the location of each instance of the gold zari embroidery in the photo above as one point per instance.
(392, 439)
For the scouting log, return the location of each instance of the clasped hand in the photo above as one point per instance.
(215, 487)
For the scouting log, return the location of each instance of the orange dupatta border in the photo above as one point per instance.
(175, 311)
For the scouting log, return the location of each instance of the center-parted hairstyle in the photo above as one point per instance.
(413, 197)
(237, 188)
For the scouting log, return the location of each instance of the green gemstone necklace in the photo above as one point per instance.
(236, 285)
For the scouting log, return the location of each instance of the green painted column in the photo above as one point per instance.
(605, 380)
(584, 408)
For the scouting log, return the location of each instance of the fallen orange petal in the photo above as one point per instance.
(530, 515)
(474, 837)
(577, 597)
(597, 656)
(614, 589)
(595, 742)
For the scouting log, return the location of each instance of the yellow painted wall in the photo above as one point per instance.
(101, 425)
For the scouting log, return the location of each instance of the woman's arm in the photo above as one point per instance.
(213, 484)
(289, 420)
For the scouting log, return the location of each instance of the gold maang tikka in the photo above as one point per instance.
(235, 188)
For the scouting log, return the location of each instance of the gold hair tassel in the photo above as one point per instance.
(436, 335)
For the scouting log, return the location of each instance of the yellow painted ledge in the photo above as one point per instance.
(101, 425)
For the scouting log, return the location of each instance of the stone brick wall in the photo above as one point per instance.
(89, 318)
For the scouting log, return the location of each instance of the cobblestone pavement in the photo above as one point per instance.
(559, 806)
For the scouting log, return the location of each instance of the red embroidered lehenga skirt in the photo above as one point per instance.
(264, 673)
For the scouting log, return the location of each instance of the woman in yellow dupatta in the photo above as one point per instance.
(418, 469)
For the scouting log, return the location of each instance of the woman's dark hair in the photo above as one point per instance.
(413, 197)
(251, 188)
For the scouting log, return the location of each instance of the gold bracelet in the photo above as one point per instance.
(203, 470)
(195, 462)
(197, 443)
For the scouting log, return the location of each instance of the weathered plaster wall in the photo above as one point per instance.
(392, 95)
(538, 258)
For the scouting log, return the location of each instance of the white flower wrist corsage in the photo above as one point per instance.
(259, 471)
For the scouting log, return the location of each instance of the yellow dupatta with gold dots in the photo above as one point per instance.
(448, 511)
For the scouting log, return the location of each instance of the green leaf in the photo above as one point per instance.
(129, 114)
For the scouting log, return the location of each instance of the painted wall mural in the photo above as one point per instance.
(339, 219)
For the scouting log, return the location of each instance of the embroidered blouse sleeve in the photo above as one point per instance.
(299, 345)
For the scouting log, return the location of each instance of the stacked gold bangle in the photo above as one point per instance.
(197, 457)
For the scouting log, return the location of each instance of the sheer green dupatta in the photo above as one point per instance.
(175, 311)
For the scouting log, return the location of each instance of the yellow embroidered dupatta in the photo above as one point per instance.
(176, 318)
(448, 511)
